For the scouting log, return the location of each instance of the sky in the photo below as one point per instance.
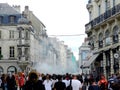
(61, 17)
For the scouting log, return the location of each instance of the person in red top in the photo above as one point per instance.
(21, 80)
(103, 83)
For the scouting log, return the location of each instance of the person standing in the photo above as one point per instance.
(103, 83)
(59, 85)
(11, 82)
(93, 86)
(76, 84)
(48, 83)
(33, 83)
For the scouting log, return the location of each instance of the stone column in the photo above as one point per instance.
(111, 62)
(104, 64)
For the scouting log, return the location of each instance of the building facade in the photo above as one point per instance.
(103, 31)
(84, 52)
(25, 45)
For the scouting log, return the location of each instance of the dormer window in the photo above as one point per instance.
(12, 19)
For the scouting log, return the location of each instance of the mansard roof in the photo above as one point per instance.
(6, 9)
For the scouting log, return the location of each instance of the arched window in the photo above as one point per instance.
(11, 69)
(115, 34)
(107, 37)
(100, 42)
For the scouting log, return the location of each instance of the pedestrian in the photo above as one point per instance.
(11, 82)
(21, 80)
(59, 85)
(48, 82)
(94, 86)
(4, 83)
(76, 84)
(103, 83)
(33, 82)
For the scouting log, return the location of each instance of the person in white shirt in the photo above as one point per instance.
(48, 83)
(76, 84)
(66, 81)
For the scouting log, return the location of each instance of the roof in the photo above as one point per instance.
(6, 9)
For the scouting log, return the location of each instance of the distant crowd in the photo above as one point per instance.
(38, 81)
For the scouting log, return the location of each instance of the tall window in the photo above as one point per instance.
(12, 51)
(19, 51)
(115, 34)
(90, 16)
(27, 53)
(100, 40)
(0, 50)
(107, 37)
(113, 3)
(1, 19)
(107, 5)
(20, 34)
(26, 34)
(99, 10)
(0, 34)
(11, 34)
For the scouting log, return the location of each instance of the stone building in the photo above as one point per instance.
(84, 51)
(103, 31)
(25, 45)
(19, 40)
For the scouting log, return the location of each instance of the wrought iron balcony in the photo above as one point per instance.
(109, 13)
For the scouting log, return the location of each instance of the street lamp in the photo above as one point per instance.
(81, 68)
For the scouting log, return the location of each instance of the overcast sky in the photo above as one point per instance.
(61, 17)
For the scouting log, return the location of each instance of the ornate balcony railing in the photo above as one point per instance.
(109, 13)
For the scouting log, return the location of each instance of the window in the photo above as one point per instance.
(26, 53)
(113, 3)
(1, 70)
(107, 5)
(115, 34)
(20, 34)
(100, 40)
(99, 10)
(27, 35)
(12, 51)
(19, 51)
(0, 50)
(11, 34)
(12, 19)
(90, 16)
(1, 19)
(11, 70)
(107, 37)
(0, 34)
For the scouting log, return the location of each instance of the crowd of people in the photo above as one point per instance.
(37, 81)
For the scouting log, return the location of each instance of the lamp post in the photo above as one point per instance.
(81, 68)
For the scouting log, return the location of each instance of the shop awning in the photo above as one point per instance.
(89, 62)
